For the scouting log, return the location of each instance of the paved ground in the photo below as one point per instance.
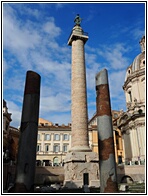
(129, 188)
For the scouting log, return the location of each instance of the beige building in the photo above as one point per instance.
(132, 122)
(6, 118)
(118, 143)
(10, 136)
(54, 140)
(6, 123)
(53, 143)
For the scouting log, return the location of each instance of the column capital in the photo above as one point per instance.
(77, 33)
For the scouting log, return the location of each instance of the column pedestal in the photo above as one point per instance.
(79, 163)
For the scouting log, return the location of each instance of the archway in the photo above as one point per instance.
(38, 163)
(55, 161)
(127, 179)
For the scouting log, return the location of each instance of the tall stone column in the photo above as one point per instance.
(26, 160)
(81, 164)
(78, 92)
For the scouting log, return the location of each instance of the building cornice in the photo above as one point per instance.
(126, 119)
(8, 116)
(134, 75)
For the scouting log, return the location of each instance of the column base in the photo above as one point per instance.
(76, 165)
(80, 149)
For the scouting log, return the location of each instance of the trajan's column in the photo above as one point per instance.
(81, 164)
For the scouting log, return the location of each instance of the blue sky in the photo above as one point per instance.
(35, 38)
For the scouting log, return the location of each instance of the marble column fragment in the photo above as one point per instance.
(26, 160)
(107, 164)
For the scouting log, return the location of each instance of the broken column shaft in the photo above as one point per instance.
(26, 160)
(107, 164)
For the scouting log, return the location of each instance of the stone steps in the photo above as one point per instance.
(136, 188)
(132, 188)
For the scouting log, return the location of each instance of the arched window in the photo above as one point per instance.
(140, 111)
(55, 161)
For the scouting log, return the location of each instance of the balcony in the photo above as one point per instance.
(77, 34)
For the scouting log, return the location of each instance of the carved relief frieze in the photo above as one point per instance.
(78, 163)
(139, 124)
(75, 171)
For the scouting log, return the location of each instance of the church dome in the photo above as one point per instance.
(139, 61)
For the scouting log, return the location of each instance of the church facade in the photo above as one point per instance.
(132, 122)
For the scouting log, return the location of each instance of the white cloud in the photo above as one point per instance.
(16, 36)
(116, 81)
(37, 46)
(59, 5)
(59, 103)
(34, 49)
(16, 82)
(135, 31)
(31, 47)
(16, 113)
(5, 67)
(29, 39)
(63, 118)
(114, 55)
(112, 58)
(50, 28)
(91, 69)
(32, 12)
(138, 33)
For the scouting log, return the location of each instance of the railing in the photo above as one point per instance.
(141, 162)
(77, 31)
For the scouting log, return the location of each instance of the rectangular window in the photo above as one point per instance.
(38, 138)
(65, 137)
(130, 96)
(47, 137)
(56, 148)
(46, 148)
(65, 148)
(38, 149)
(56, 137)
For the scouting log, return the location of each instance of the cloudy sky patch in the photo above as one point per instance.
(35, 37)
